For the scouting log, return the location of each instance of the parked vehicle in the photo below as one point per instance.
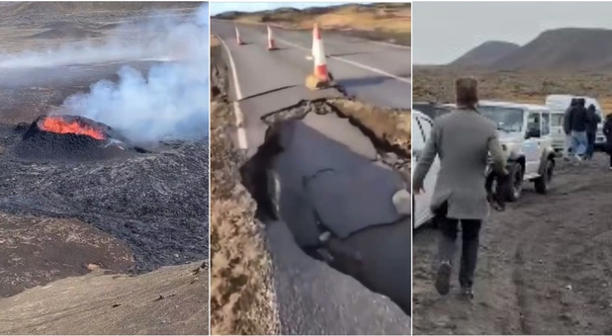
(558, 104)
(422, 125)
(525, 137)
(432, 110)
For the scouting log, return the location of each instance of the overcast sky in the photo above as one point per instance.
(220, 7)
(443, 31)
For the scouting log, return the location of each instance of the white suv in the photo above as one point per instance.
(525, 137)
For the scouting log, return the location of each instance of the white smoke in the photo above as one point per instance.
(160, 37)
(170, 101)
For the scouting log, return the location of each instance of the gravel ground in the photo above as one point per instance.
(545, 264)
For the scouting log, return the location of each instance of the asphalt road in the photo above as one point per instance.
(322, 157)
(376, 72)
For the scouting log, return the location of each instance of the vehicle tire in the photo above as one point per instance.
(514, 186)
(541, 183)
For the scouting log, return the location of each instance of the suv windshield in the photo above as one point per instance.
(508, 119)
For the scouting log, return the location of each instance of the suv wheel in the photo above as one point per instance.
(542, 182)
(514, 187)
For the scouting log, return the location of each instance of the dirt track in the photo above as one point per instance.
(545, 264)
(169, 300)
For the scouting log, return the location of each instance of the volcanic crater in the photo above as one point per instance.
(70, 137)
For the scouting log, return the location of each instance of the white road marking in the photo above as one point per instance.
(353, 63)
(241, 132)
(233, 66)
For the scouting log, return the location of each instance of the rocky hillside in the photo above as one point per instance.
(485, 54)
(565, 49)
(389, 22)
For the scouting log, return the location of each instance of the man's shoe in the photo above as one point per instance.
(467, 293)
(443, 278)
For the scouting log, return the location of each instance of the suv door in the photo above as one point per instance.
(556, 130)
(546, 135)
(532, 144)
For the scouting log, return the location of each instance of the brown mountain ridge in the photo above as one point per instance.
(558, 49)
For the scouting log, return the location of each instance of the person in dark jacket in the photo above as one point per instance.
(607, 130)
(462, 140)
(593, 120)
(578, 124)
(568, 130)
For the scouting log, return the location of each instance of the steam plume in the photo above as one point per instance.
(170, 101)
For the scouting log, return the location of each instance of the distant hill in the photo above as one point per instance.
(32, 9)
(485, 54)
(316, 9)
(390, 22)
(566, 48)
(558, 49)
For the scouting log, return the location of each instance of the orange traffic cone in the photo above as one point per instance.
(271, 43)
(238, 39)
(320, 78)
(320, 65)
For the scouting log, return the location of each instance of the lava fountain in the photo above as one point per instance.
(57, 124)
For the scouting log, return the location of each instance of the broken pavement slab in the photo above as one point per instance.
(313, 298)
(327, 185)
(349, 201)
(341, 131)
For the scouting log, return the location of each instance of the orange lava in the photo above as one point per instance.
(59, 125)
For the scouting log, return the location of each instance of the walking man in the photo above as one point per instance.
(462, 139)
(578, 125)
(593, 120)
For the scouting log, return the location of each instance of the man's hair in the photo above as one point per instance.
(466, 90)
(574, 102)
(581, 102)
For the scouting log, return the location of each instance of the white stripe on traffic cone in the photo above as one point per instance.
(320, 65)
(315, 32)
(238, 40)
(271, 43)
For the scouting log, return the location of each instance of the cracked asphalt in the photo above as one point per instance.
(323, 156)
